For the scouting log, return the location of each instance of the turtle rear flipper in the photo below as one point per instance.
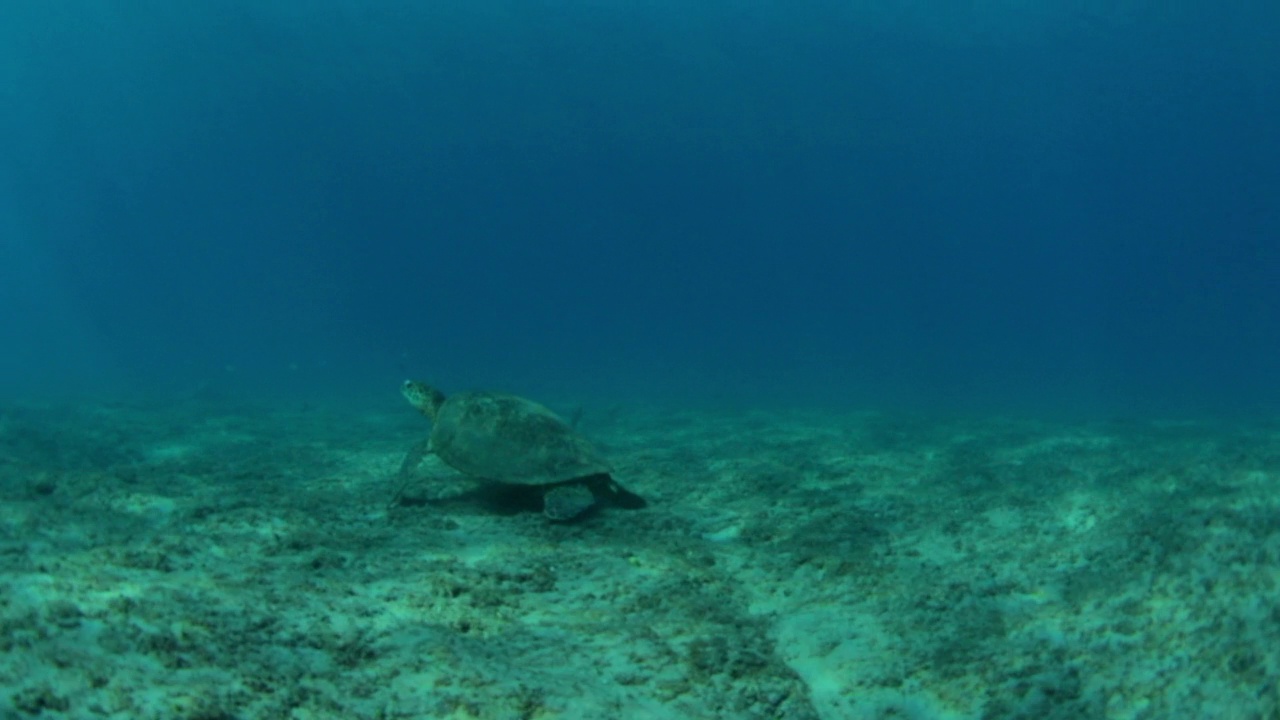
(605, 487)
(563, 503)
(575, 499)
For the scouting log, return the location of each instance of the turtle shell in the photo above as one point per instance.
(510, 439)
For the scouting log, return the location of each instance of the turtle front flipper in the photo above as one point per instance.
(412, 459)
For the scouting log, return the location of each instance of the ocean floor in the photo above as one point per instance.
(200, 562)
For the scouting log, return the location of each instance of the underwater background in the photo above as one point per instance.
(918, 360)
(1041, 208)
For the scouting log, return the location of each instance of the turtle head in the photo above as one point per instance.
(422, 396)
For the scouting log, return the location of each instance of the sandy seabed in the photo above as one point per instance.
(198, 562)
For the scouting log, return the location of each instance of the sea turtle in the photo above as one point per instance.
(507, 439)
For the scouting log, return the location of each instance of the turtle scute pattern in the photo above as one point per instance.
(511, 439)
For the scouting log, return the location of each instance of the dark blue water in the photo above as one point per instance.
(992, 208)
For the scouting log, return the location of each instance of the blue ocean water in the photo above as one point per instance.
(1045, 207)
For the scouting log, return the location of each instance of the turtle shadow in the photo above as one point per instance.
(499, 499)
(507, 499)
